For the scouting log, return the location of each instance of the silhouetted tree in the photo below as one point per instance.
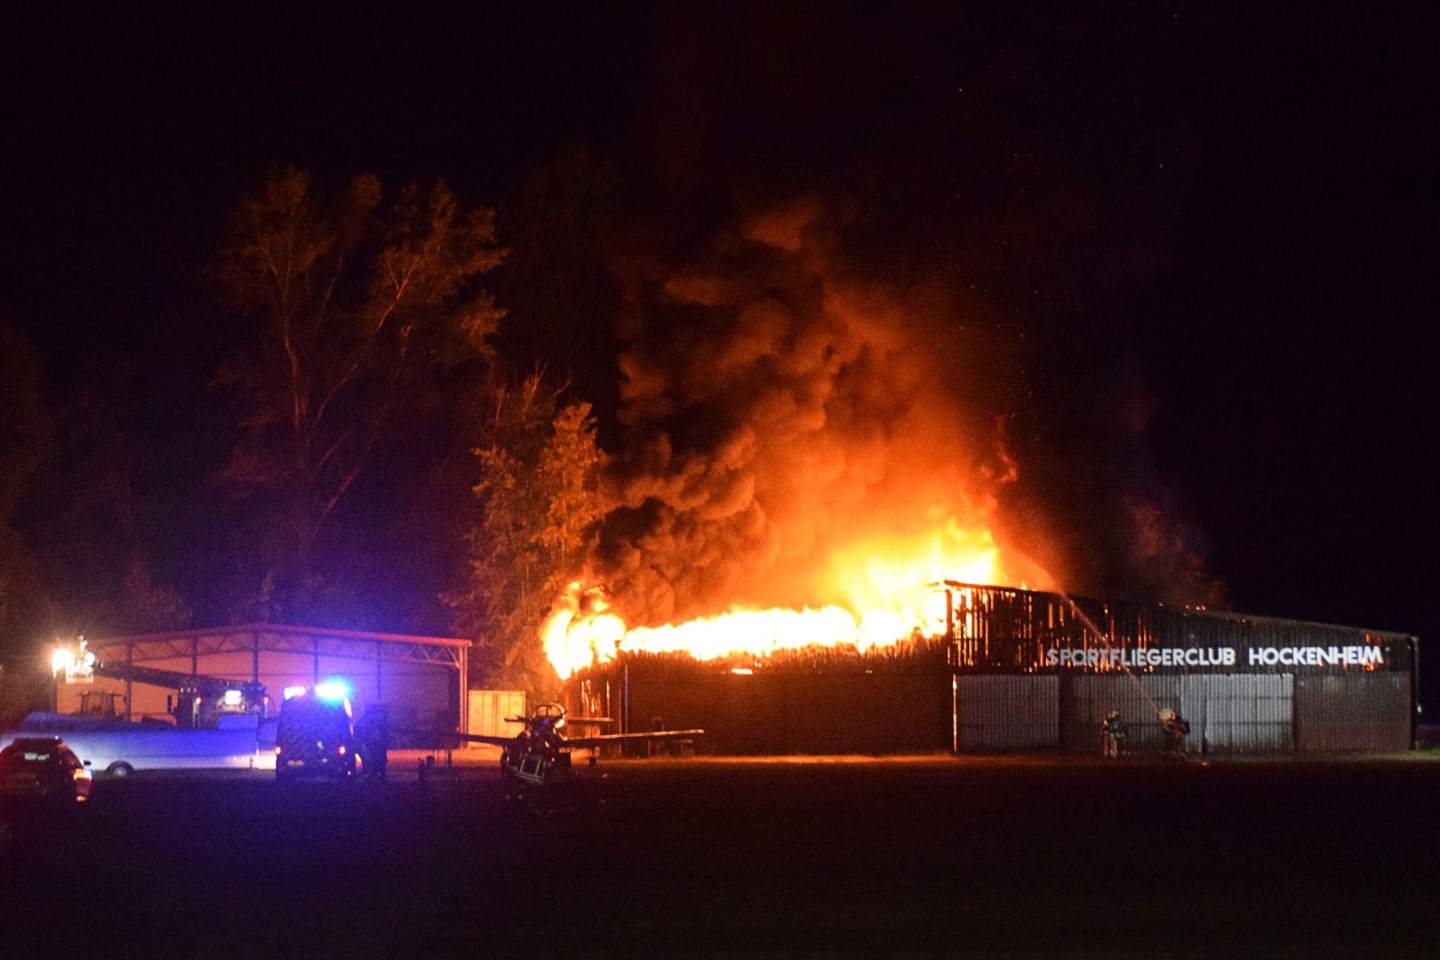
(365, 311)
(25, 438)
(93, 514)
(562, 298)
(540, 506)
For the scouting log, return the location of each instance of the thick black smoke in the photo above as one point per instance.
(879, 285)
(781, 405)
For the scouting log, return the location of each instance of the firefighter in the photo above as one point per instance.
(1112, 735)
(374, 734)
(1175, 727)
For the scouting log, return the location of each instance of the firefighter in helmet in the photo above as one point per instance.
(1175, 727)
(1112, 735)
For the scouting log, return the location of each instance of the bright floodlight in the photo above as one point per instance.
(62, 660)
(73, 661)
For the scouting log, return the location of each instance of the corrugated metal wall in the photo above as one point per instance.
(1248, 713)
(1366, 711)
(1227, 713)
(1007, 713)
(1086, 699)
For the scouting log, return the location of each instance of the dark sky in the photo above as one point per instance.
(1215, 230)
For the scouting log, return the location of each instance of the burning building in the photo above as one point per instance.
(818, 462)
(1020, 670)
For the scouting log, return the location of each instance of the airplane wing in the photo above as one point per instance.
(604, 738)
(584, 742)
(483, 738)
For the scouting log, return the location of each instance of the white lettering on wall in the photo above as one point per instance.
(1114, 657)
(1353, 656)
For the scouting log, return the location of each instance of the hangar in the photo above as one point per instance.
(1020, 670)
(420, 679)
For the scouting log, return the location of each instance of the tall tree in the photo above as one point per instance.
(540, 505)
(25, 438)
(96, 513)
(562, 297)
(366, 310)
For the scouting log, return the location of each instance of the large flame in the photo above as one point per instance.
(809, 448)
(885, 593)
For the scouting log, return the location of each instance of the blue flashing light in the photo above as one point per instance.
(333, 691)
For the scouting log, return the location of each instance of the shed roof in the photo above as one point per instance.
(283, 630)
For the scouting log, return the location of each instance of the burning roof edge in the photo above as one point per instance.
(1185, 609)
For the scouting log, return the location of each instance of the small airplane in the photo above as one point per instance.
(540, 754)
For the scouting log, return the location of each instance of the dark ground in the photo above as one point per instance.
(708, 858)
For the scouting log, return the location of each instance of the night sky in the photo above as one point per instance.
(1212, 234)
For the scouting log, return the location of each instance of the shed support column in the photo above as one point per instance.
(952, 655)
(1414, 644)
(464, 685)
(625, 698)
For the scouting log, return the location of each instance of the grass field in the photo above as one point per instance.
(925, 857)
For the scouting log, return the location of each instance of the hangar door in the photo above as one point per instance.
(1248, 713)
(1228, 713)
(1004, 712)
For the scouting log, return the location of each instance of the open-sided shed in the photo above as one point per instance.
(420, 679)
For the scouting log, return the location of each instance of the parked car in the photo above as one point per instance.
(44, 769)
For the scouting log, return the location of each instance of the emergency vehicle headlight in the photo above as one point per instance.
(332, 690)
(293, 692)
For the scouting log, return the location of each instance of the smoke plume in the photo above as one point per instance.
(782, 407)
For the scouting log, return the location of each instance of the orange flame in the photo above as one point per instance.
(883, 591)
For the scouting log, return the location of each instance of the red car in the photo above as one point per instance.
(43, 768)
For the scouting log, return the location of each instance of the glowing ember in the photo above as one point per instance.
(885, 594)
